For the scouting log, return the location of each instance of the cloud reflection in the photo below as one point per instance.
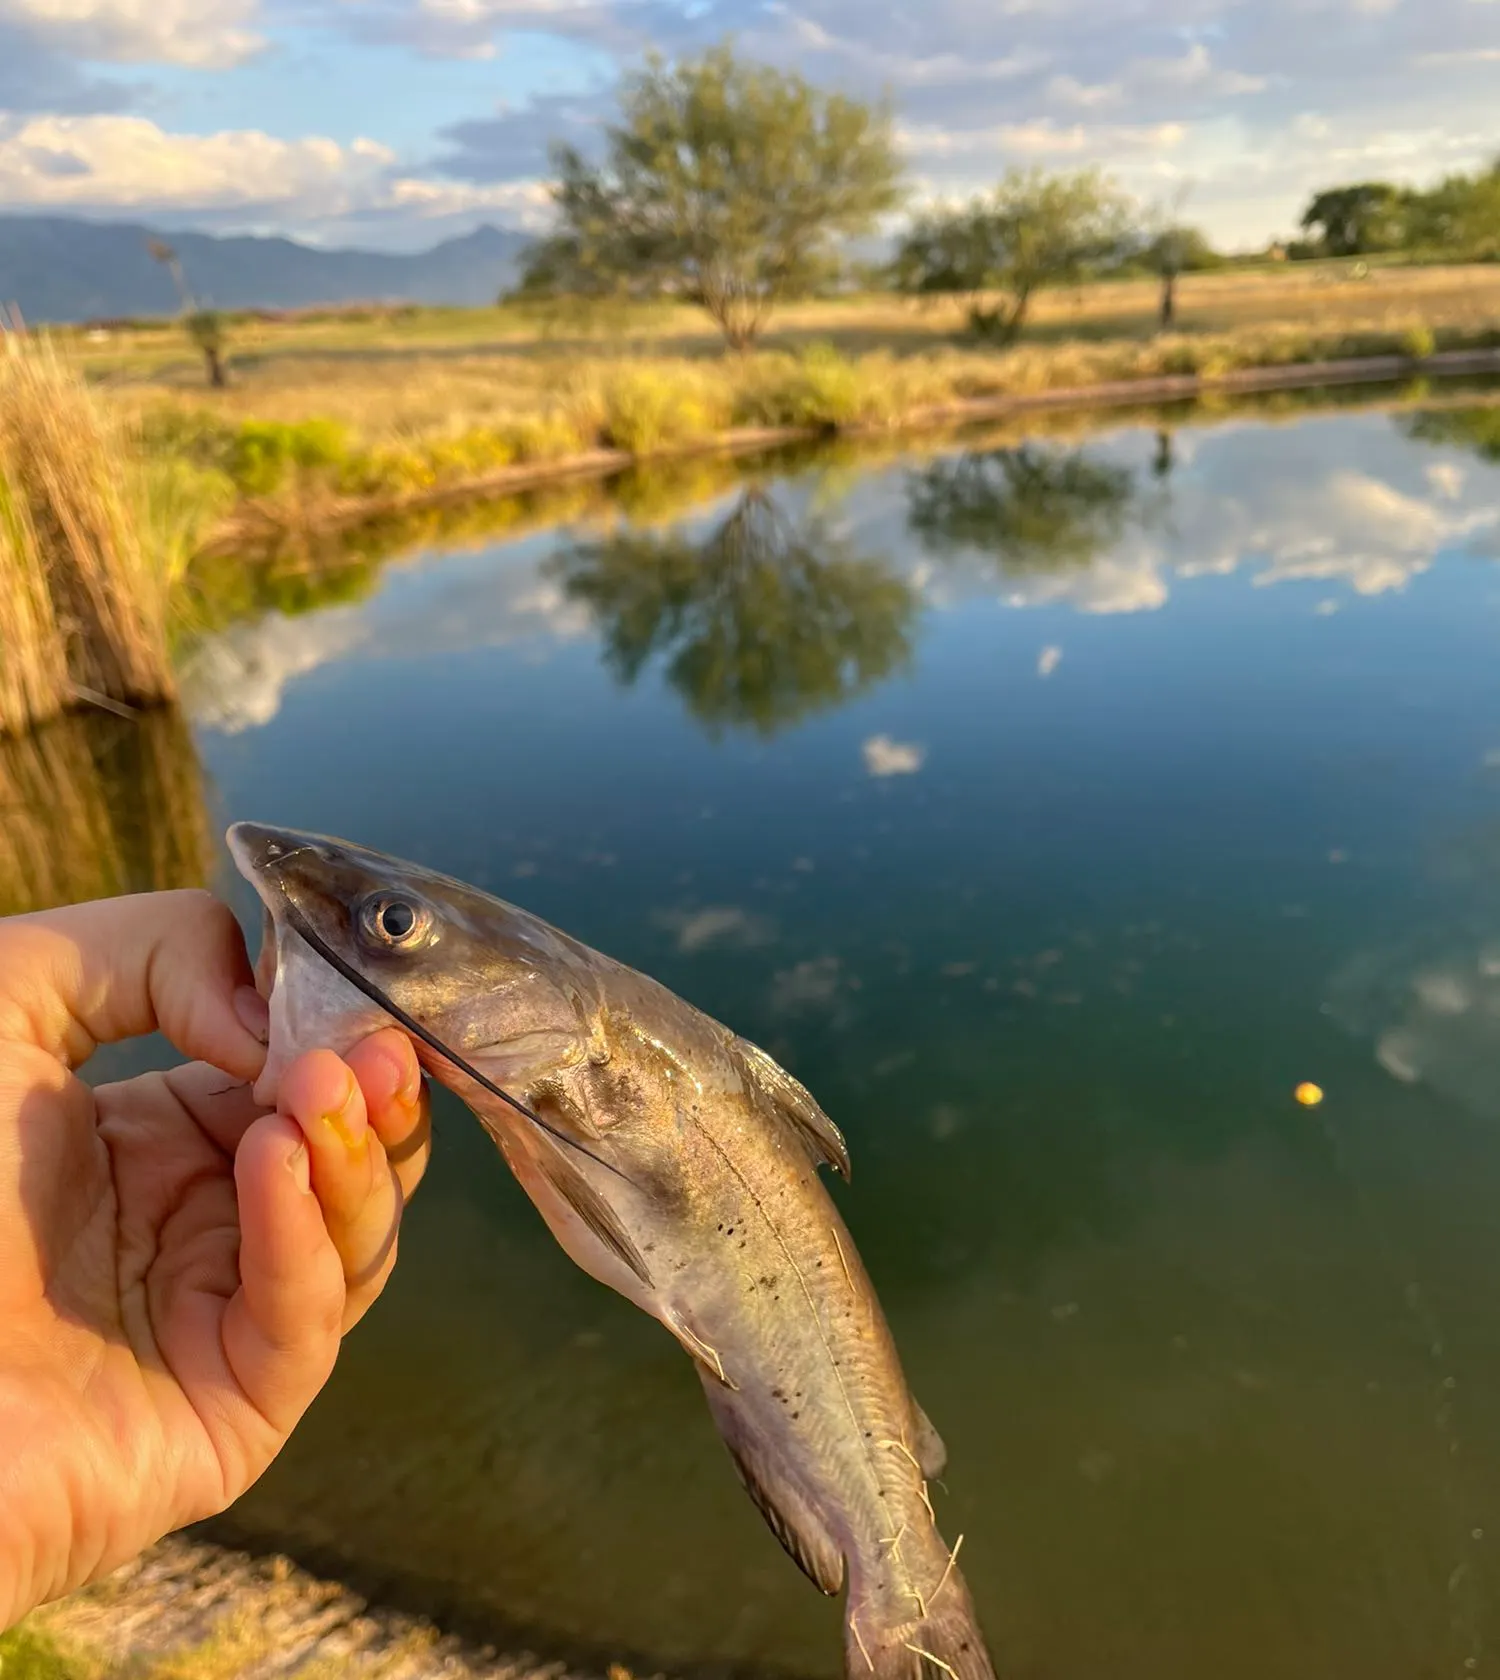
(1077, 526)
(885, 757)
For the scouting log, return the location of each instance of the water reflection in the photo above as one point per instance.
(1033, 508)
(1477, 429)
(92, 805)
(760, 623)
(799, 601)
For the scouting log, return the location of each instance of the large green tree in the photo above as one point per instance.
(723, 181)
(1034, 230)
(1359, 220)
(758, 624)
(1460, 215)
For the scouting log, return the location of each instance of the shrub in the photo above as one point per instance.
(819, 388)
(647, 409)
(263, 454)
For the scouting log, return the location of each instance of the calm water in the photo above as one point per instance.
(1052, 811)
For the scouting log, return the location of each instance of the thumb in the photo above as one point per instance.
(90, 974)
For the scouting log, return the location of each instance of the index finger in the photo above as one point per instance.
(90, 974)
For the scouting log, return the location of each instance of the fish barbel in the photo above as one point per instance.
(676, 1163)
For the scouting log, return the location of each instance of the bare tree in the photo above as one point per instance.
(165, 254)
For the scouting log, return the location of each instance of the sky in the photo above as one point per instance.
(395, 123)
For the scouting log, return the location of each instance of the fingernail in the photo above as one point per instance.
(400, 1078)
(411, 1083)
(298, 1165)
(348, 1120)
(253, 1012)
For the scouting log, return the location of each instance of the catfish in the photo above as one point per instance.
(673, 1161)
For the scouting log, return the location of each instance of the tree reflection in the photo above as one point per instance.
(1476, 429)
(1033, 509)
(760, 624)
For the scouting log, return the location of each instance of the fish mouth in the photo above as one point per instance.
(260, 853)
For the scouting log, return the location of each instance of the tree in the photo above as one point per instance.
(167, 256)
(1033, 230)
(725, 182)
(1174, 251)
(759, 624)
(205, 327)
(1171, 248)
(1357, 220)
(1461, 215)
(1034, 509)
(207, 330)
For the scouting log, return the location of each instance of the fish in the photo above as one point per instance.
(676, 1163)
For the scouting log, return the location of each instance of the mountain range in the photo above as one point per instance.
(58, 268)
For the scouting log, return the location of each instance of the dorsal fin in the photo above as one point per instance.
(796, 1105)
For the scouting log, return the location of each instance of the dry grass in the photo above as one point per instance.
(394, 405)
(83, 607)
(192, 1612)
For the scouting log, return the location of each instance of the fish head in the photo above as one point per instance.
(350, 932)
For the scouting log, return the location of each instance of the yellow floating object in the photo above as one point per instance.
(1308, 1094)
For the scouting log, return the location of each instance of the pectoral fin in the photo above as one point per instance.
(566, 1178)
(801, 1531)
(796, 1106)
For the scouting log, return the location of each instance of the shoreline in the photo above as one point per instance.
(189, 1606)
(251, 525)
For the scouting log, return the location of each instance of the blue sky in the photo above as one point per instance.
(397, 122)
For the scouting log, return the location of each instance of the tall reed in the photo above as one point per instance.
(83, 600)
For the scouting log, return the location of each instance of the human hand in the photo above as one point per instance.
(176, 1266)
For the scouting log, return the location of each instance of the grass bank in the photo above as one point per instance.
(328, 414)
(597, 415)
(188, 1611)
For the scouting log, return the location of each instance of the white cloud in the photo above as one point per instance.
(1042, 139)
(205, 34)
(1048, 660)
(98, 162)
(130, 161)
(885, 757)
(1250, 100)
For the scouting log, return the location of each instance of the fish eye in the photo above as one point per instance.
(396, 923)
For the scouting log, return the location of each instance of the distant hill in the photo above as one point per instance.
(61, 269)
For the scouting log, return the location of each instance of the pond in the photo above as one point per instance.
(1052, 808)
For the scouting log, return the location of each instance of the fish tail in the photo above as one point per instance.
(944, 1644)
